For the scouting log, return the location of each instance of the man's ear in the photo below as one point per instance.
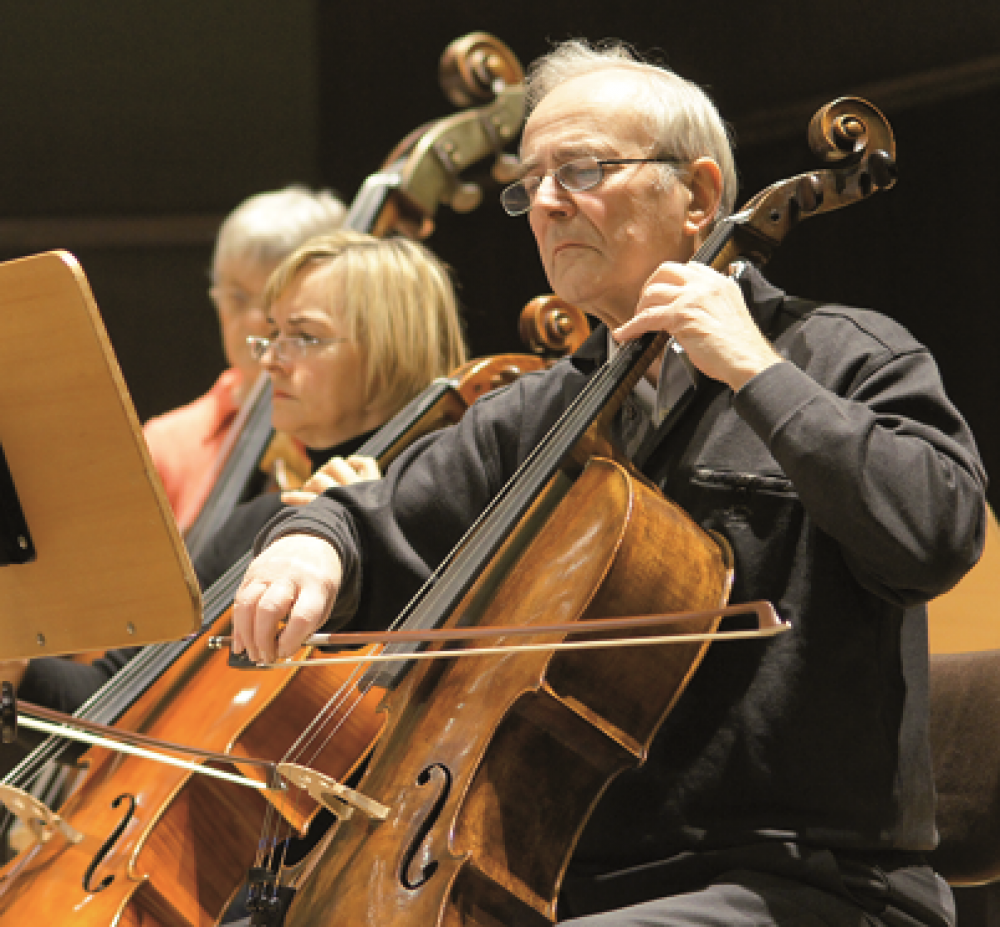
(704, 180)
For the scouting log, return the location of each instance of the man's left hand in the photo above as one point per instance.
(707, 315)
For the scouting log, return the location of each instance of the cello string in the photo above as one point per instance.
(474, 544)
(610, 373)
(344, 702)
(608, 378)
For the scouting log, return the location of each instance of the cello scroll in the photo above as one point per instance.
(851, 135)
(550, 325)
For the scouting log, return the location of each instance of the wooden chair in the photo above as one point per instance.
(965, 743)
(965, 735)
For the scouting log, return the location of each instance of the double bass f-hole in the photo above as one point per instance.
(105, 849)
(417, 866)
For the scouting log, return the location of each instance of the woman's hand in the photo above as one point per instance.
(335, 472)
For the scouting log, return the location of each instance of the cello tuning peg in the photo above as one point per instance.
(809, 193)
(467, 196)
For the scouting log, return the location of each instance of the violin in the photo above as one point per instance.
(423, 172)
(488, 768)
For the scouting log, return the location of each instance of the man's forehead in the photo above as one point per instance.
(560, 133)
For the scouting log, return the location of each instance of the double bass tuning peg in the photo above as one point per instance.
(882, 166)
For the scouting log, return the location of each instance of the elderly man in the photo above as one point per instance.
(791, 784)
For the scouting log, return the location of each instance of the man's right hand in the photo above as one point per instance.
(287, 593)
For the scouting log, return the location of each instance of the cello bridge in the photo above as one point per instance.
(40, 820)
(330, 793)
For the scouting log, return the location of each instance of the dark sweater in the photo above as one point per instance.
(851, 492)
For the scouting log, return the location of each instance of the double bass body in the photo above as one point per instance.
(490, 764)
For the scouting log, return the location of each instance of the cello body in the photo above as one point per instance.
(489, 790)
(165, 846)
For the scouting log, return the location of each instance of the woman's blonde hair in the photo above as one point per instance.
(396, 300)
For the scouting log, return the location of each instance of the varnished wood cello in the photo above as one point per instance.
(489, 767)
(165, 846)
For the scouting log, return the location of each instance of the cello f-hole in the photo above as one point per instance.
(107, 845)
(417, 866)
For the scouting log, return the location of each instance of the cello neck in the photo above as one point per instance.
(599, 400)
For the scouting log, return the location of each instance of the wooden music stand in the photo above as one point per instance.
(90, 557)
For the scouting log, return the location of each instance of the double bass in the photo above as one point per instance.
(488, 767)
(425, 171)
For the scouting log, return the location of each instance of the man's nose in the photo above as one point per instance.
(552, 195)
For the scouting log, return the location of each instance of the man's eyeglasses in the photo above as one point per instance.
(575, 176)
(288, 347)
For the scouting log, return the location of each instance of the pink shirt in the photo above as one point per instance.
(185, 444)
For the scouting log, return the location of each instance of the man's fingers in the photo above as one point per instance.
(308, 613)
(366, 468)
(244, 606)
(272, 608)
(297, 577)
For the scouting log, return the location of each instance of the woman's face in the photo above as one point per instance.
(319, 385)
(236, 293)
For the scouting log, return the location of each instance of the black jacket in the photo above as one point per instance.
(851, 492)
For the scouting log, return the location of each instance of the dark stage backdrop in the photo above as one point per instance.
(128, 130)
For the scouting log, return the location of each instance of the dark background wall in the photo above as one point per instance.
(128, 130)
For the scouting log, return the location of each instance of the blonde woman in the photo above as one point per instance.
(185, 443)
(356, 327)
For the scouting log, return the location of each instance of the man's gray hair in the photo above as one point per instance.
(267, 227)
(677, 113)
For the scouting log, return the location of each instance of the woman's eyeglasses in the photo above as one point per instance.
(288, 347)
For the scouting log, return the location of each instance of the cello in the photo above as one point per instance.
(150, 822)
(444, 834)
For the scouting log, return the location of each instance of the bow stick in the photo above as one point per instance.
(768, 625)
